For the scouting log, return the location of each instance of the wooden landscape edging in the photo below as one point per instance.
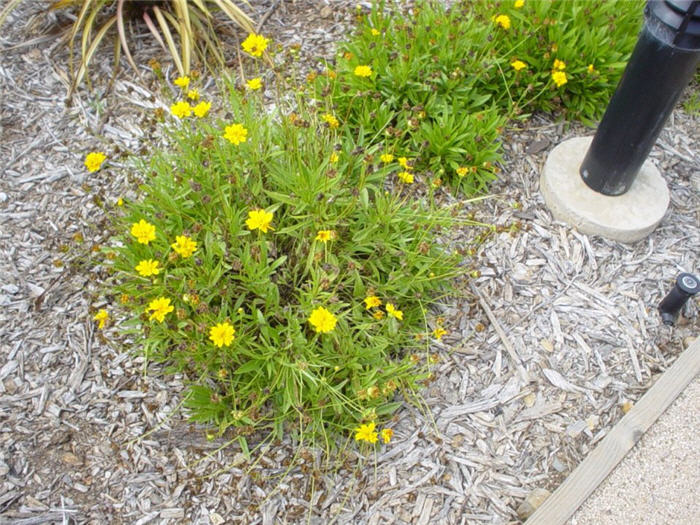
(625, 434)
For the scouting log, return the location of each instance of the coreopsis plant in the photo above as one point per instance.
(439, 83)
(279, 265)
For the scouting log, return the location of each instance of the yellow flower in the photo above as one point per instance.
(322, 320)
(148, 267)
(519, 3)
(144, 231)
(366, 433)
(372, 301)
(254, 83)
(101, 317)
(236, 134)
(94, 160)
(259, 220)
(255, 44)
(330, 120)
(392, 311)
(182, 82)
(221, 334)
(503, 21)
(161, 307)
(334, 157)
(386, 158)
(325, 235)
(378, 314)
(387, 434)
(222, 373)
(559, 78)
(193, 94)
(363, 71)
(375, 32)
(559, 65)
(184, 246)
(201, 109)
(406, 177)
(462, 171)
(518, 65)
(439, 332)
(181, 109)
(403, 162)
(590, 68)
(120, 202)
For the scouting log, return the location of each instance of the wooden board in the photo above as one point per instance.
(625, 434)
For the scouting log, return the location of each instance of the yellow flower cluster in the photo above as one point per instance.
(182, 82)
(439, 332)
(368, 433)
(147, 267)
(330, 120)
(372, 301)
(259, 220)
(503, 21)
(363, 71)
(144, 231)
(254, 83)
(184, 246)
(325, 235)
(222, 334)
(255, 44)
(94, 160)
(160, 308)
(558, 74)
(101, 317)
(322, 320)
(406, 177)
(236, 134)
(394, 312)
(518, 64)
(182, 109)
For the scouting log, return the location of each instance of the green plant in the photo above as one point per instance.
(303, 303)
(190, 23)
(692, 103)
(587, 43)
(445, 80)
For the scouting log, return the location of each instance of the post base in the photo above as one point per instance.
(625, 218)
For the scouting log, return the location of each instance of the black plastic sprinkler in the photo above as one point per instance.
(687, 285)
(662, 64)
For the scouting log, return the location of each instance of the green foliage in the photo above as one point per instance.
(279, 373)
(692, 103)
(442, 84)
(594, 40)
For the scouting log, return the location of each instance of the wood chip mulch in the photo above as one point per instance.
(543, 350)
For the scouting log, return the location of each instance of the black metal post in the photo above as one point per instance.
(686, 286)
(662, 63)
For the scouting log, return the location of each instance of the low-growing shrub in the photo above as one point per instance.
(439, 83)
(283, 267)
